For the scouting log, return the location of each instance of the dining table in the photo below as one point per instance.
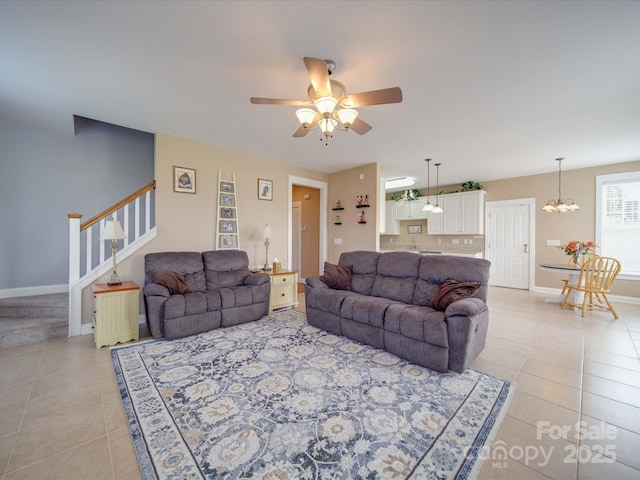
(573, 275)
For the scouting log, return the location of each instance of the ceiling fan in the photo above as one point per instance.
(334, 108)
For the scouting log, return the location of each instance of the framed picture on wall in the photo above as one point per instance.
(184, 180)
(226, 187)
(228, 241)
(414, 228)
(227, 212)
(228, 226)
(228, 200)
(265, 189)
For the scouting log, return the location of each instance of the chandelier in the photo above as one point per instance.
(560, 205)
(326, 117)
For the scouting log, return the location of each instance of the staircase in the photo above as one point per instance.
(33, 319)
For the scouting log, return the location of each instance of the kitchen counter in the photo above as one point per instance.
(438, 250)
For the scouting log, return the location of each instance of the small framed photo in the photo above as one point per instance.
(184, 180)
(226, 187)
(227, 212)
(228, 226)
(414, 228)
(228, 241)
(228, 200)
(265, 189)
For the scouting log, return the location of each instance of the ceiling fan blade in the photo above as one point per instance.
(280, 101)
(319, 75)
(374, 97)
(360, 126)
(300, 132)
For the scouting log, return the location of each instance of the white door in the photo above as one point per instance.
(296, 215)
(509, 242)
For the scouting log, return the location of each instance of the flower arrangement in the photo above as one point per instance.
(576, 249)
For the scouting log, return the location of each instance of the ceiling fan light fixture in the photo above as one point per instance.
(306, 117)
(325, 105)
(327, 125)
(347, 116)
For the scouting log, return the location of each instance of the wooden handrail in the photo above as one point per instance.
(117, 206)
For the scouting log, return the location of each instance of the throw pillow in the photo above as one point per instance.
(173, 281)
(452, 290)
(337, 276)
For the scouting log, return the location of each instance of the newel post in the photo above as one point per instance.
(74, 246)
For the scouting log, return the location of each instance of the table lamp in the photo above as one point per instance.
(113, 231)
(267, 234)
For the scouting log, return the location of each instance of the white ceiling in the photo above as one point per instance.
(491, 89)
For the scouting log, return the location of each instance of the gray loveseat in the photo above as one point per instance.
(387, 307)
(221, 292)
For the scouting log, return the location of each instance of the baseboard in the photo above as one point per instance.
(613, 298)
(29, 291)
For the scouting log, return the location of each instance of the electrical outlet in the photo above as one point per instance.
(553, 243)
(455, 241)
(337, 241)
(471, 241)
(466, 241)
(439, 240)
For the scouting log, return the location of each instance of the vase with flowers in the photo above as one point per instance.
(576, 250)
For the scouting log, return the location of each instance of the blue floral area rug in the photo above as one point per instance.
(280, 399)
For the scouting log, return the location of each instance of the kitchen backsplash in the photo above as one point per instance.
(423, 241)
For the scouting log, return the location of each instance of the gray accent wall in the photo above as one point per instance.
(45, 175)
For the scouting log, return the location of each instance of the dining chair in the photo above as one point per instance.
(565, 281)
(596, 276)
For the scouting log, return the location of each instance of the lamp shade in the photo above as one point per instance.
(305, 116)
(112, 231)
(327, 125)
(267, 234)
(347, 116)
(325, 104)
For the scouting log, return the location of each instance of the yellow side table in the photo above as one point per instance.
(284, 289)
(115, 313)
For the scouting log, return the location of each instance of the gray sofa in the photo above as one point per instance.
(221, 292)
(387, 307)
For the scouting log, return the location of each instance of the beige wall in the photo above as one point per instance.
(580, 225)
(310, 237)
(346, 186)
(186, 222)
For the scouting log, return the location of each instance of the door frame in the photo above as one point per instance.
(323, 187)
(531, 202)
(299, 253)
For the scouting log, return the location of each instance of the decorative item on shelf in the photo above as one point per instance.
(338, 206)
(277, 265)
(362, 201)
(576, 250)
(361, 218)
(428, 207)
(560, 205)
(469, 185)
(267, 234)
(338, 220)
(113, 231)
(408, 195)
(437, 208)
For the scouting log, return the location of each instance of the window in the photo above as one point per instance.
(618, 220)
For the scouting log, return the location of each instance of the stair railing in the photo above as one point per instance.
(88, 258)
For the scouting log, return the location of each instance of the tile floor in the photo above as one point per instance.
(575, 413)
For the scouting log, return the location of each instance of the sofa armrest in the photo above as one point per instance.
(256, 279)
(153, 289)
(467, 307)
(315, 282)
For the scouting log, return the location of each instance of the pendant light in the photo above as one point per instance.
(437, 208)
(428, 207)
(560, 205)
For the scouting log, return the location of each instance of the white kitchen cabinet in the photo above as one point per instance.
(435, 223)
(391, 224)
(411, 210)
(463, 213)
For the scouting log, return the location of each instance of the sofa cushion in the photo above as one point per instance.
(188, 264)
(452, 290)
(396, 277)
(365, 309)
(337, 276)
(173, 281)
(326, 299)
(242, 296)
(225, 268)
(420, 323)
(364, 269)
